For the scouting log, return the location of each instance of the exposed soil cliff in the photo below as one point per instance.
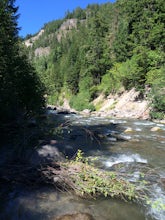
(128, 104)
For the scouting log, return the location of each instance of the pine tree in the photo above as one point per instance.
(21, 92)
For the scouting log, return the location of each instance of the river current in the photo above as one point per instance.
(126, 146)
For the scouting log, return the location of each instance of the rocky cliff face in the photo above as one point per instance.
(125, 105)
(42, 51)
(66, 26)
(30, 41)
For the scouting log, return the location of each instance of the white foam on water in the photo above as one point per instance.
(113, 139)
(135, 176)
(144, 123)
(125, 137)
(124, 159)
(156, 199)
(160, 125)
(113, 132)
(51, 111)
(156, 206)
(138, 129)
(118, 121)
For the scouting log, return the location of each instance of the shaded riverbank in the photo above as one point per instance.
(137, 155)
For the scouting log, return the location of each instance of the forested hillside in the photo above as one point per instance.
(103, 49)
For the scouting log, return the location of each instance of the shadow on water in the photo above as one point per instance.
(45, 204)
(90, 136)
(19, 203)
(67, 134)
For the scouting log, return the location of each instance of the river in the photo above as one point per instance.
(127, 146)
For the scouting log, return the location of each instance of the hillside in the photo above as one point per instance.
(102, 50)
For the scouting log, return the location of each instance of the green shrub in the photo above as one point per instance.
(81, 102)
(156, 79)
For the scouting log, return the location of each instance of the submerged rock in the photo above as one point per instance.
(128, 130)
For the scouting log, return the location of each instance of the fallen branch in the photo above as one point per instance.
(77, 176)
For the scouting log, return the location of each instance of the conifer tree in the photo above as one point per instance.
(21, 92)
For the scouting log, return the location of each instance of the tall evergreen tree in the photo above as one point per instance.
(21, 92)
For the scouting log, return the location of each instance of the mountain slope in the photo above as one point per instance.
(102, 49)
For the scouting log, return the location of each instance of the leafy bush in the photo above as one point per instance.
(156, 79)
(111, 81)
(158, 102)
(81, 102)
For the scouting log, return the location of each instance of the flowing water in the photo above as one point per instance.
(137, 154)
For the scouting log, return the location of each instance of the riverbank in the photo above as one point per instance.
(135, 156)
(126, 104)
(76, 176)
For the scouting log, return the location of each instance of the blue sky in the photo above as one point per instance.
(35, 13)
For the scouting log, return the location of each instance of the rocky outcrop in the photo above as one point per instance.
(66, 27)
(46, 154)
(42, 51)
(69, 24)
(29, 42)
(125, 105)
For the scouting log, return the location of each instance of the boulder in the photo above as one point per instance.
(156, 128)
(45, 154)
(86, 112)
(51, 107)
(128, 130)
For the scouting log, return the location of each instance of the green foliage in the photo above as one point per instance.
(78, 13)
(120, 45)
(93, 182)
(156, 78)
(21, 92)
(130, 73)
(158, 102)
(112, 80)
(110, 47)
(80, 157)
(158, 204)
(81, 102)
(142, 68)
